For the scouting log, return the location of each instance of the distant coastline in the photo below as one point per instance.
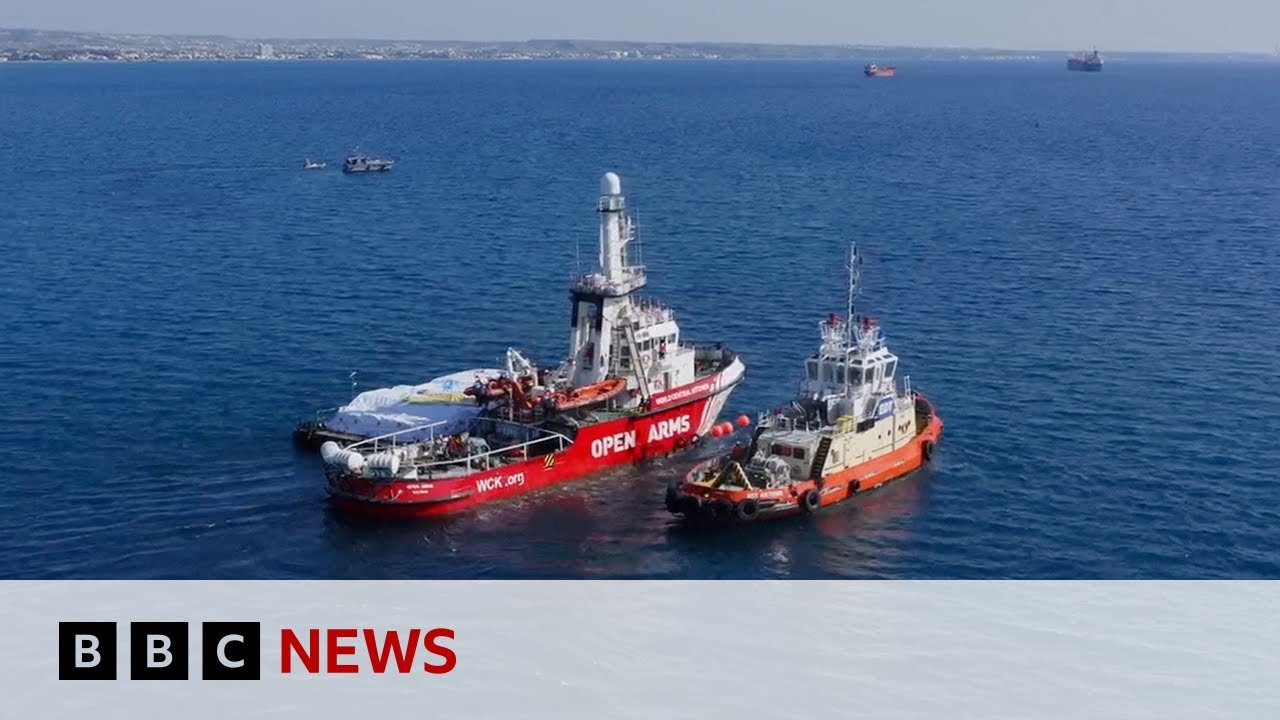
(19, 45)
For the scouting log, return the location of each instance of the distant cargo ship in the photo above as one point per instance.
(874, 70)
(1085, 62)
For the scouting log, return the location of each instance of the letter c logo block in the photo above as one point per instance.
(86, 651)
(232, 650)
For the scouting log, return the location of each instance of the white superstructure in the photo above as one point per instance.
(613, 332)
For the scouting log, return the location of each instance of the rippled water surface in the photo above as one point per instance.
(1081, 271)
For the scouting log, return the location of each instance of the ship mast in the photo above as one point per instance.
(602, 299)
(854, 263)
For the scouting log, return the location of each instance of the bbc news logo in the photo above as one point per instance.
(232, 651)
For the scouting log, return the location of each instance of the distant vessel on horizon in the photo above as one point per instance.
(874, 70)
(1085, 62)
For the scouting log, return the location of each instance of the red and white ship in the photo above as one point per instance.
(630, 389)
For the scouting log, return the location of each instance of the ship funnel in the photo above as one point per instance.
(610, 184)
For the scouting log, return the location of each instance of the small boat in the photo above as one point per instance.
(874, 70)
(850, 430)
(590, 395)
(530, 392)
(357, 163)
(313, 165)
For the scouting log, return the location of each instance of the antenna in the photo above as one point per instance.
(855, 261)
(638, 252)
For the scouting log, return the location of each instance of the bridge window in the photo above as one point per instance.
(811, 369)
(788, 451)
(840, 374)
(828, 373)
(888, 369)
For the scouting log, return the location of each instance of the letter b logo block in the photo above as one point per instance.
(86, 651)
(158, 650)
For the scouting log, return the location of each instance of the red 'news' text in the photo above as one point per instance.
(402, 652)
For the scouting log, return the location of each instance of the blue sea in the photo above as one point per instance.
(1080, 270)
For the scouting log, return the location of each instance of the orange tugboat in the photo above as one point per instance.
(874, 70)
(851, 429)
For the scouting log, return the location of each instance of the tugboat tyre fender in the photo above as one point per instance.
(810, 501)
(672, 500)
(926, 450)
(689, 506)
(720, 507)
(748, 509)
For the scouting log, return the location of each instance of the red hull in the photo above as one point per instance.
(679, 419)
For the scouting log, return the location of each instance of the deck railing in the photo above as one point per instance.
(374, 441)
(485, 457)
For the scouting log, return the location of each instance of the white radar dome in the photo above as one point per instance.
(611, 184)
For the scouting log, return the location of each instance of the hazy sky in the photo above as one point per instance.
(1248, 25)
